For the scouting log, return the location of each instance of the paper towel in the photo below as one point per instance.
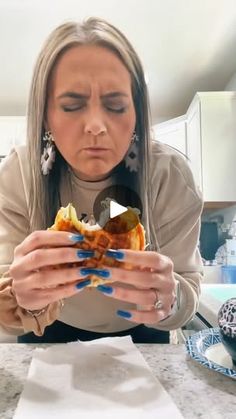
(100, 379)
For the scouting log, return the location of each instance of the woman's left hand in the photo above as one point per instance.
(151, 285)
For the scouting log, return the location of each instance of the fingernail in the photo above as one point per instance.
(83, 254)
(103, 273)
(115, 254)
(76, 237)
(83, 284)
(106, 289)
(124, 314)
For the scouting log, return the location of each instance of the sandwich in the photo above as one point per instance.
(124, 231)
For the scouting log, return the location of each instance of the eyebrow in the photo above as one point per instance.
(74, 95)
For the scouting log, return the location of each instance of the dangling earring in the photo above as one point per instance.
(49, 153)
(131, 159)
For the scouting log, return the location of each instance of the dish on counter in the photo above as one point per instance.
(227, 327)
(206, 348)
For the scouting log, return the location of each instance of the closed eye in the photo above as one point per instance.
(116, 110)
(79, 107)
(73, 108)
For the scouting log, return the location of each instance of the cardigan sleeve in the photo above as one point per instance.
(177, 207)
(14, 227)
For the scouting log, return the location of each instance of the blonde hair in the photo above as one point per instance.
(44, 190)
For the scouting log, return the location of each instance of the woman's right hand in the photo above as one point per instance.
(36, 283)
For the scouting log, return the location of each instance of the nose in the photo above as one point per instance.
(95, 125)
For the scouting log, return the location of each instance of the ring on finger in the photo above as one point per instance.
(158, 304)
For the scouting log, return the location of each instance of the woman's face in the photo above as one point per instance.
(90, 110)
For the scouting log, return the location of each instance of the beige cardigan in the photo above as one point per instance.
(177, 206)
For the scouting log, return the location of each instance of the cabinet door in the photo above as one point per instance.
(194, 144)
(211, 144)
(173, 133)
(218, 125)
(12, 132)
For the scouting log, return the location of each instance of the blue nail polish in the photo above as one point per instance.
(84, 254)
(124, 314)
(103, 273)
(83, 284)
(76, 237)
(115, 254)
(106, 289)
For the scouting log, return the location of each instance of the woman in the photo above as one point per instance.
(89, 129)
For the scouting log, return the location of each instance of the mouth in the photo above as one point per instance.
(95, 150)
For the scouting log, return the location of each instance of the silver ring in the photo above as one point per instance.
(158, 304)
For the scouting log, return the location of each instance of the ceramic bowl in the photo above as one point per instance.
(227, 327)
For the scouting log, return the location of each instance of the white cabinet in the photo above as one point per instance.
(211, 144)
(193, 132)
(173, 133)
(12, 132)
(209, 135)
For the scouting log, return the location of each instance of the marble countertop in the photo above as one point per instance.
(197, 391)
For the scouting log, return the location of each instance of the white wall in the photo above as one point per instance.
(12, 132)
(231, 85)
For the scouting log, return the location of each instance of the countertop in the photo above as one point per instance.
(197, 391)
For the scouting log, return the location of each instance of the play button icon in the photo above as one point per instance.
(116, 209)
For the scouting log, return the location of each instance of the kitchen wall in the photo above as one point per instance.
(231, 85)
(12, 133)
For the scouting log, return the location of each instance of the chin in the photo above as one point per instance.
(95, 172)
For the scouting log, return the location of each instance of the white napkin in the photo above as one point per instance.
(101, 379)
